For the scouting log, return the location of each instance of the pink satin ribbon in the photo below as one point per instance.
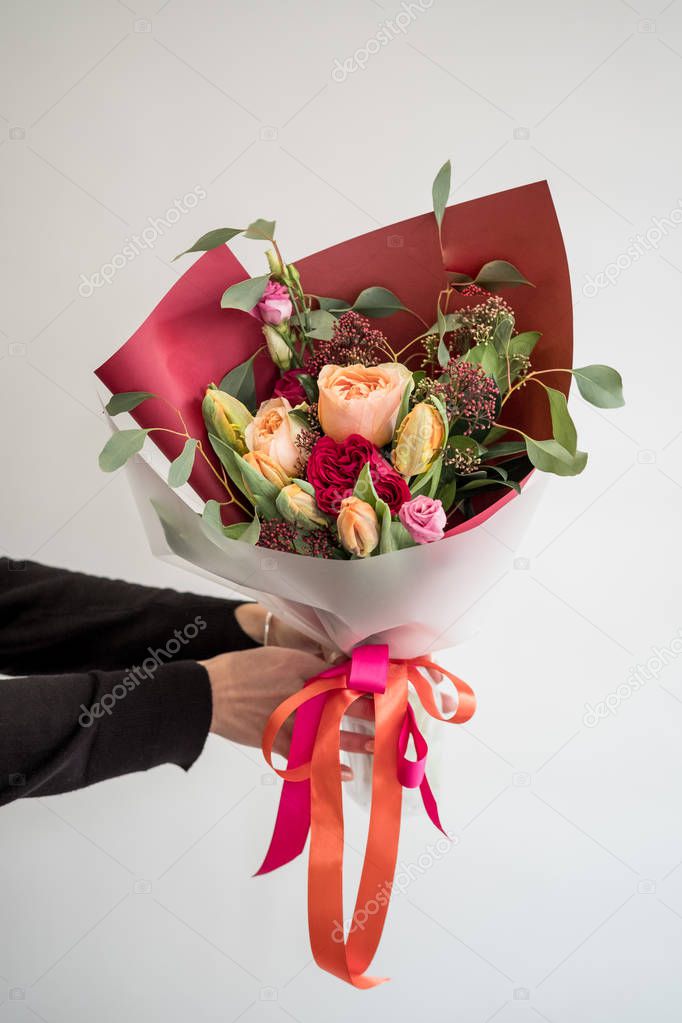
(319, 708)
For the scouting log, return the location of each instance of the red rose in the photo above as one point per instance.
(290, 387)
(333, 470)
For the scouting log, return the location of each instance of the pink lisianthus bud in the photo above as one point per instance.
(275, 306)
(424, 519)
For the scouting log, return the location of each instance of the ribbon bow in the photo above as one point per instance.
(311, 799)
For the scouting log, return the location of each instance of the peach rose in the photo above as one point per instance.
(358, 527)
(273, 432)
(361, 399)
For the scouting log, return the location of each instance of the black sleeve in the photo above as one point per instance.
(124, 692)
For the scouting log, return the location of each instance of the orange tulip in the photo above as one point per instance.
(358, 527)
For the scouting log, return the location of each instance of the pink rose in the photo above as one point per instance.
(275, 305)
(424, 519)
(361, 399)
(273, 432)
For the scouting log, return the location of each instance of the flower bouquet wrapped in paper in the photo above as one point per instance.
(334, 433)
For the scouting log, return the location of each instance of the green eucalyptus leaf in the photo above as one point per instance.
(459, 280)
(337, 306)
(181, 467)
(500, 274)
(502, 334)
(126, 401)
(523, 344)
(219, 236)
(240, 382)
(486, 357)
(550, 456)
(512, 447)
(452, 322)
(245, 294)
(322, 324)
(440, 192)
(211, 514)
(377, 303)
(600, 385)
(121, 446)
(261, 230)
(563, 428)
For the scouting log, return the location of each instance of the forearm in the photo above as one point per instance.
(53, 621)
(59, 733)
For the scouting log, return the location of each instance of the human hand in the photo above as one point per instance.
(247, 685)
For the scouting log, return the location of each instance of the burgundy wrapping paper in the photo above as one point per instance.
(188, 341)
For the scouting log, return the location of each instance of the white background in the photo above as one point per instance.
(562, 899)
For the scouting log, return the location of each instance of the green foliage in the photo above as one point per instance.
(121, 446)
(126, 401)
(181, 468)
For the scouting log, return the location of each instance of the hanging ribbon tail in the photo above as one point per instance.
(293, 814)
(412, 773)
(292, 823)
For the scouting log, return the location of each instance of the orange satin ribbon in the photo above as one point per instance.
(349, 957)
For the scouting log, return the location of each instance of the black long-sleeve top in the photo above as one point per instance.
(112, 682)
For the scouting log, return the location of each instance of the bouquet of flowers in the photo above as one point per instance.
(335, 430)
